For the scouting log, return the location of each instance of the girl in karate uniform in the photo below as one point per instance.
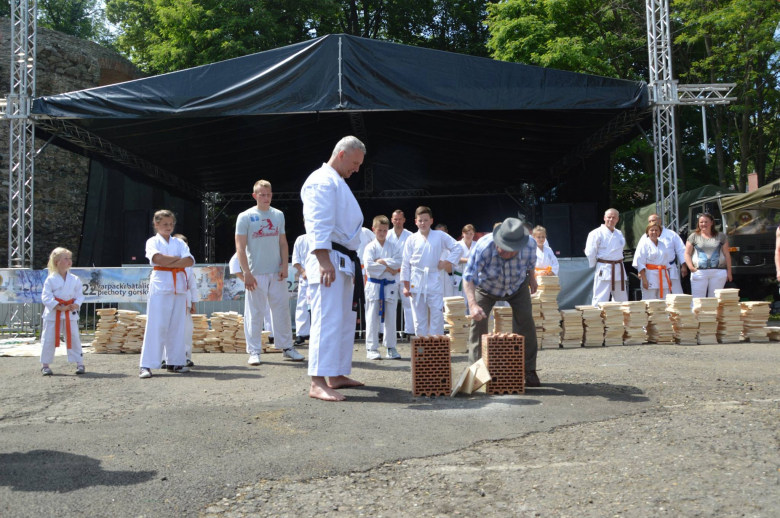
(166, 306)
(652, 260)
(546, 262)
(61, 299)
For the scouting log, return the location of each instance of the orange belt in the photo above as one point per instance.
(548, 269)
(661, 269)
(67, 323)
(173, 271)
(622, 273)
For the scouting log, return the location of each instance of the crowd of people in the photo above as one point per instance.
(341, 265)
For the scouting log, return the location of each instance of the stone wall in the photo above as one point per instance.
(65, 64)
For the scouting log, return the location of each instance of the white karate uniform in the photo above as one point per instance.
(603, 244)
(675, 245)
(166, 307)
(406, 302)
(302, 319)
(420, 268)
(447, 280)
(648, 253)
(332, 215)
(192, 296)
(457, 275)
(55, 287)
(393, 257)
(546, 259)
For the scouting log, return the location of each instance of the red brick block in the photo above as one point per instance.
(431, 368)
(504, 356)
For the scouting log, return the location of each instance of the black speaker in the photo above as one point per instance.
(136, 232)
(583, 220)
(556, 218)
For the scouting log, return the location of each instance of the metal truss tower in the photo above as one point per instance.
(665, 95)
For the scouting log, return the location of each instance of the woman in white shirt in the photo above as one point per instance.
(546, 262)
(652, 262)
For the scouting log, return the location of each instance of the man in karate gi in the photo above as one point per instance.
(674, 242)
(398, 236)
(501, 268)
(604, 250)
(382, 262)
(302, 319)
(333, 226)
(447, 282)
(420, 273)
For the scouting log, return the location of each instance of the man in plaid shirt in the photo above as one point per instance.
(501, 267)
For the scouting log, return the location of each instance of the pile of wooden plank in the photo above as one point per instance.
(612, 316)
(706, 311)
(773, 333)
(502, 319)
(684, 322)
(105, 325)
(659, 327)
(754, 318)
(457, 324)
(593, 326)
(536, 314)
(634, 322)
(729, 316)
(226, 324)
(549, 287)
(571, 335)
(200, 329)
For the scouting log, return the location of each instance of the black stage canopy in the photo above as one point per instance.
(443, 122)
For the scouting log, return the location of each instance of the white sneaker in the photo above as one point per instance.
(254, 359)
(392, 354)
(145, 373)
(373, 355)
(46, 371)
(293, 355)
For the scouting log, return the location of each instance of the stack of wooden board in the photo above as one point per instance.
(536, 314)
(225, 325)
(773, 333)
(659, 327)
(502, 319)
(104, 328)
(706, 311)
(729, 316)
(457, 323)
(612, 316)
(200, 329)
(754, 318)
(548, 290)
(684, 322)
(571, 335)
(134, 340)
(593, 326)
(634, 322)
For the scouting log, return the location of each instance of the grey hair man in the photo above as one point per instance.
(604, 250)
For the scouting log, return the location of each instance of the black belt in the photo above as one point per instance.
(358, 293)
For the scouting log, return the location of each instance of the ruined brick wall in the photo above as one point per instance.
(65, 64)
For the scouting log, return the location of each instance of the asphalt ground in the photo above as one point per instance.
(614, 431)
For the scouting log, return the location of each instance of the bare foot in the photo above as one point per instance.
(337, 382)
(324, 392)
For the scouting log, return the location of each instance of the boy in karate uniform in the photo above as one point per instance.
(420, 273)
(302, 318)
(447, 283)
(382, 260)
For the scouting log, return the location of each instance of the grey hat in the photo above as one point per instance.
(511, 235)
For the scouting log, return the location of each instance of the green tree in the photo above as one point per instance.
(81, 18)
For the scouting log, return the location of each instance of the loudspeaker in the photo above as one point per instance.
(136, 232)
(557, 222)
(583, 220)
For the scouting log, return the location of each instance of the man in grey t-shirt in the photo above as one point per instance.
(261, 245)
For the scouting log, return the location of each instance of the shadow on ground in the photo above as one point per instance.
(61, 472)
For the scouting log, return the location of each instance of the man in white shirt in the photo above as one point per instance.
(261, 245)
(333, 224)
(398, 236)
(302, 319)
(604, 250)
(673, 242)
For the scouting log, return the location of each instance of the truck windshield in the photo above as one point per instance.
(752, 221)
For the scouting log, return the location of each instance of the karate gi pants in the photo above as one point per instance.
(374, 324)
(165, 329)
(333, 322)
(602, 289)
(428, 314)
(705, 282)
(270, 293)
(406, 304)
(75, 354)
(522, 323)
(302, 317)
(188, 326)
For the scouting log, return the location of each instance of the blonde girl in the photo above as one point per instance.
(546, 262)
(166, 306)
(61, 299)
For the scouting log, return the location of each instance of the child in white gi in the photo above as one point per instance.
(302, 317)
(447, 281)
(61, 299)
(261, 245)
(398, 236)
(192, 298)
(465, 244)
(546, 262)
(382, 260)
(166, 306)
(420, 273)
